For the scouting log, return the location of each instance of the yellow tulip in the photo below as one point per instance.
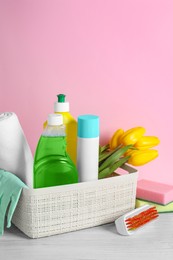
(132, 135)
(129, 152)
(146, 142)
(114, 142)
(139, 157)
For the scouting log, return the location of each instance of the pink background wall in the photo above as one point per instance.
(111, 58)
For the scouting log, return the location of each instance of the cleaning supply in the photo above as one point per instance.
(15, 153)
(10, 190)
(135, 219)
(88, 147)
(154, 191)
(62, 107)
(160, 208)
(52, 164)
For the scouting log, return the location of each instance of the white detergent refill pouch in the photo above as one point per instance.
(88, 147)
(15, 153)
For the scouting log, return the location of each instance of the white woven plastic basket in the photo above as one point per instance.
(55, 210)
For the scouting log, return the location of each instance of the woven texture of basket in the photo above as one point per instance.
(55, 210)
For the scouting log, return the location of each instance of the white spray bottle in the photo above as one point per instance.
(88, 147)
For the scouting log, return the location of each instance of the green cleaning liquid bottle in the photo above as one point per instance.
(52, 164)
(61, 106)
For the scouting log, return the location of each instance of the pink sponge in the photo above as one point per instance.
(154, 191)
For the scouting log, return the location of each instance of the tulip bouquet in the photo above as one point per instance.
(130, 146)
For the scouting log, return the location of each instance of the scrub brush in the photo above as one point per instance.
(135, 219)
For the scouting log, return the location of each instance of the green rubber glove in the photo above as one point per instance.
(10, 190)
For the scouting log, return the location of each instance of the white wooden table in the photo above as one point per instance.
(155, 241)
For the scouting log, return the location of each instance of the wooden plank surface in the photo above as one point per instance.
(155, 241)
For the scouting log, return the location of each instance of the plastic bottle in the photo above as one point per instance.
(62, 107)
(88, 147)
(52, 164)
